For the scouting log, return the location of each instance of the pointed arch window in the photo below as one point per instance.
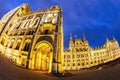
(11, 44)
(27, 45)
(18, 26)
(2, 41)
(36, 23)
(18, 45)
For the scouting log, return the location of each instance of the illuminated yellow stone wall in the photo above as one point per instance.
(33, 39)
(80, 55)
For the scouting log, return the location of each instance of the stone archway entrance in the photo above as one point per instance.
(43, 57)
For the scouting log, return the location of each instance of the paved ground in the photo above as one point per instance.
(8, 71)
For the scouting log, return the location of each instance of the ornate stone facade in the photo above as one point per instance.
(33, 39)
(80, 55)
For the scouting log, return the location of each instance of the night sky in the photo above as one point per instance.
(98, 19)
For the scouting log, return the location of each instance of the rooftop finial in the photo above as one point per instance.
(84, 38)
(107, 39)
(70, 36)
(114, 38)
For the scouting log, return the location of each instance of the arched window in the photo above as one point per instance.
(2, 41)
(25, 26)
(18, 26)
(91, 62)
(73, 64)
(78, 64)
(30, 32)
(10, 25)
(83, 64)
(95, 61)
(36, 23)
(11, 44)
(68, 65)
(26, 47)
(18, 46)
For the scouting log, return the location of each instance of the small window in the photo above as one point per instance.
(73, 64)
(64, 56)
(73, 56)
(78, 64)
(95, 62)
(6, 32)
(10, 25)
(98, 61)
(68, 65)
(46, 31)
(83, 64)
(2, 42)
(91, 62)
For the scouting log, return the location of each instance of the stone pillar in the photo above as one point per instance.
(54, 67)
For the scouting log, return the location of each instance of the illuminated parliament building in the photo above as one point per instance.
(35, 40)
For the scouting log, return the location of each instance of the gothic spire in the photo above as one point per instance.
(84, 38)
(70, 36)
(107, 39)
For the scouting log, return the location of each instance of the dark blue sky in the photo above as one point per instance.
(98, 19)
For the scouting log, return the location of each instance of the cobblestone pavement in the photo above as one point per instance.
(8, 71)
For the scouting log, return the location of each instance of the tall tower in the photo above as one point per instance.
(47, 43)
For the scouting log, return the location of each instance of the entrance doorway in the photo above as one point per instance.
(43, 57)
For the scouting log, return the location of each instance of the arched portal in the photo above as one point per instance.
(43, 57)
